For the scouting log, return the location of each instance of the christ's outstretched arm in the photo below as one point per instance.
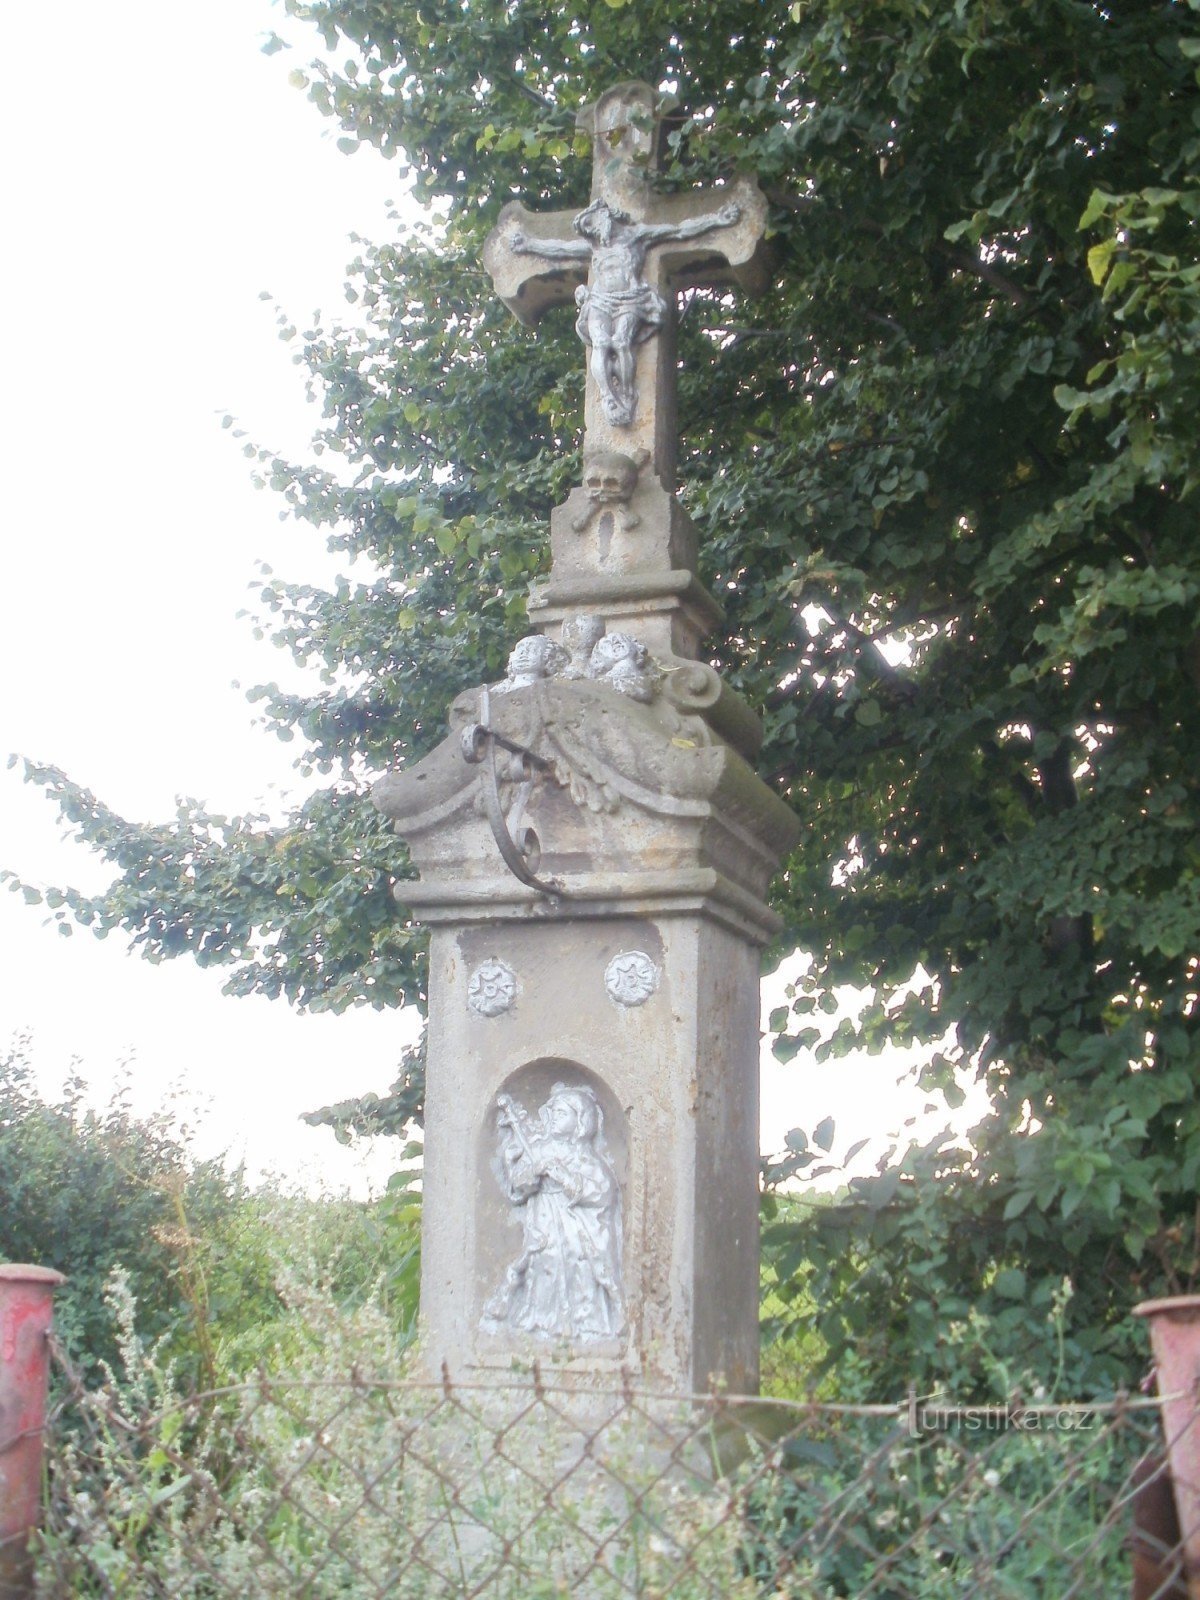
(673, 232)
(550, 249)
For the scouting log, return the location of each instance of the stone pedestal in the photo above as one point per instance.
(638, 983)
(679, 1091)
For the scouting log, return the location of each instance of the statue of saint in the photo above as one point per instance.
(618, 310)
(554, 1167)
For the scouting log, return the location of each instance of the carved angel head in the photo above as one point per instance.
(534, 658)
(615, 648)
(625, 663)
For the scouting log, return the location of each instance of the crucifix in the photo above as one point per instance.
(623, 260)
(594, 851)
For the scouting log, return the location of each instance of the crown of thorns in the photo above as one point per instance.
(593, 211)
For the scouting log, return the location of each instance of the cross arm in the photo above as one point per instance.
(736, 253)
(535, 260)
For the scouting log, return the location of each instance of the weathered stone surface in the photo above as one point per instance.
(677, 1077)
(645, 531)
(622, 546)
(594, 852)
(538, 260)
(636, 801)
(663, 841)
(671, 612)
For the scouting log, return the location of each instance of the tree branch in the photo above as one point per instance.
(966, 261)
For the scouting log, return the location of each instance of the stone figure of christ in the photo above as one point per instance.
(618, 310)
(566, 1282)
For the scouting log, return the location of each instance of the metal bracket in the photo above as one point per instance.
(517, 842)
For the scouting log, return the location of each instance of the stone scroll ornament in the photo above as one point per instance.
(556, 1173)
(618, 309)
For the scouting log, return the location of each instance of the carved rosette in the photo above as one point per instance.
(631, 978)
(492, 988)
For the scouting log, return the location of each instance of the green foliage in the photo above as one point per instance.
(87, 1191)
(336, 1481)
(302, 909)
(342, 1480)
(394, 1113)
(943, 476)
(873, 1288)
(950, 1514)
(282, 1254)
(216, 1268)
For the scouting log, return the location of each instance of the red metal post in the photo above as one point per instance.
(1175, 1340)
(26, 1304)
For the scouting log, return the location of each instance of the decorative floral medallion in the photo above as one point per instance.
(631, 978)
(492, 988)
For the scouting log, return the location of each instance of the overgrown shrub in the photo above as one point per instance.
(90, 1191)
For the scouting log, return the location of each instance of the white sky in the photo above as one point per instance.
(161, 173)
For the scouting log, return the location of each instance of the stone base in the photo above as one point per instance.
(676, 1076)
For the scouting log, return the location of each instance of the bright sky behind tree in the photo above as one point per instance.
(162, 174)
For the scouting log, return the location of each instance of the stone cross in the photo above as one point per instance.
(594, 852)
(622, 260)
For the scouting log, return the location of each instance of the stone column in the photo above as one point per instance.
(638, 984)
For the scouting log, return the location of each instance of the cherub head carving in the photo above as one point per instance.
(624, 662)
(533, 659)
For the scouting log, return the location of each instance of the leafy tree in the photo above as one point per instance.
(214, 1269)
(944, 480)
(90, 1191)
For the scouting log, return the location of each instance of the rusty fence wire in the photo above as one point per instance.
(527, 1490)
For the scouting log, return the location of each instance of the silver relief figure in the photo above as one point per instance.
(555, 1170)
(618, 309)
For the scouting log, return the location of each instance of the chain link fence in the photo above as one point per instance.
(529, 1490)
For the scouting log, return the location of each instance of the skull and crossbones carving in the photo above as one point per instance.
(609, 479)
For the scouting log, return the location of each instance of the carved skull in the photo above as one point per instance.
(609, 478)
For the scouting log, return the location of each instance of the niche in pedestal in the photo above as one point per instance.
(553, 1172)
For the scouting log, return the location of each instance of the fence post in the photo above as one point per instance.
(26, 1304)
(1175, 1340)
